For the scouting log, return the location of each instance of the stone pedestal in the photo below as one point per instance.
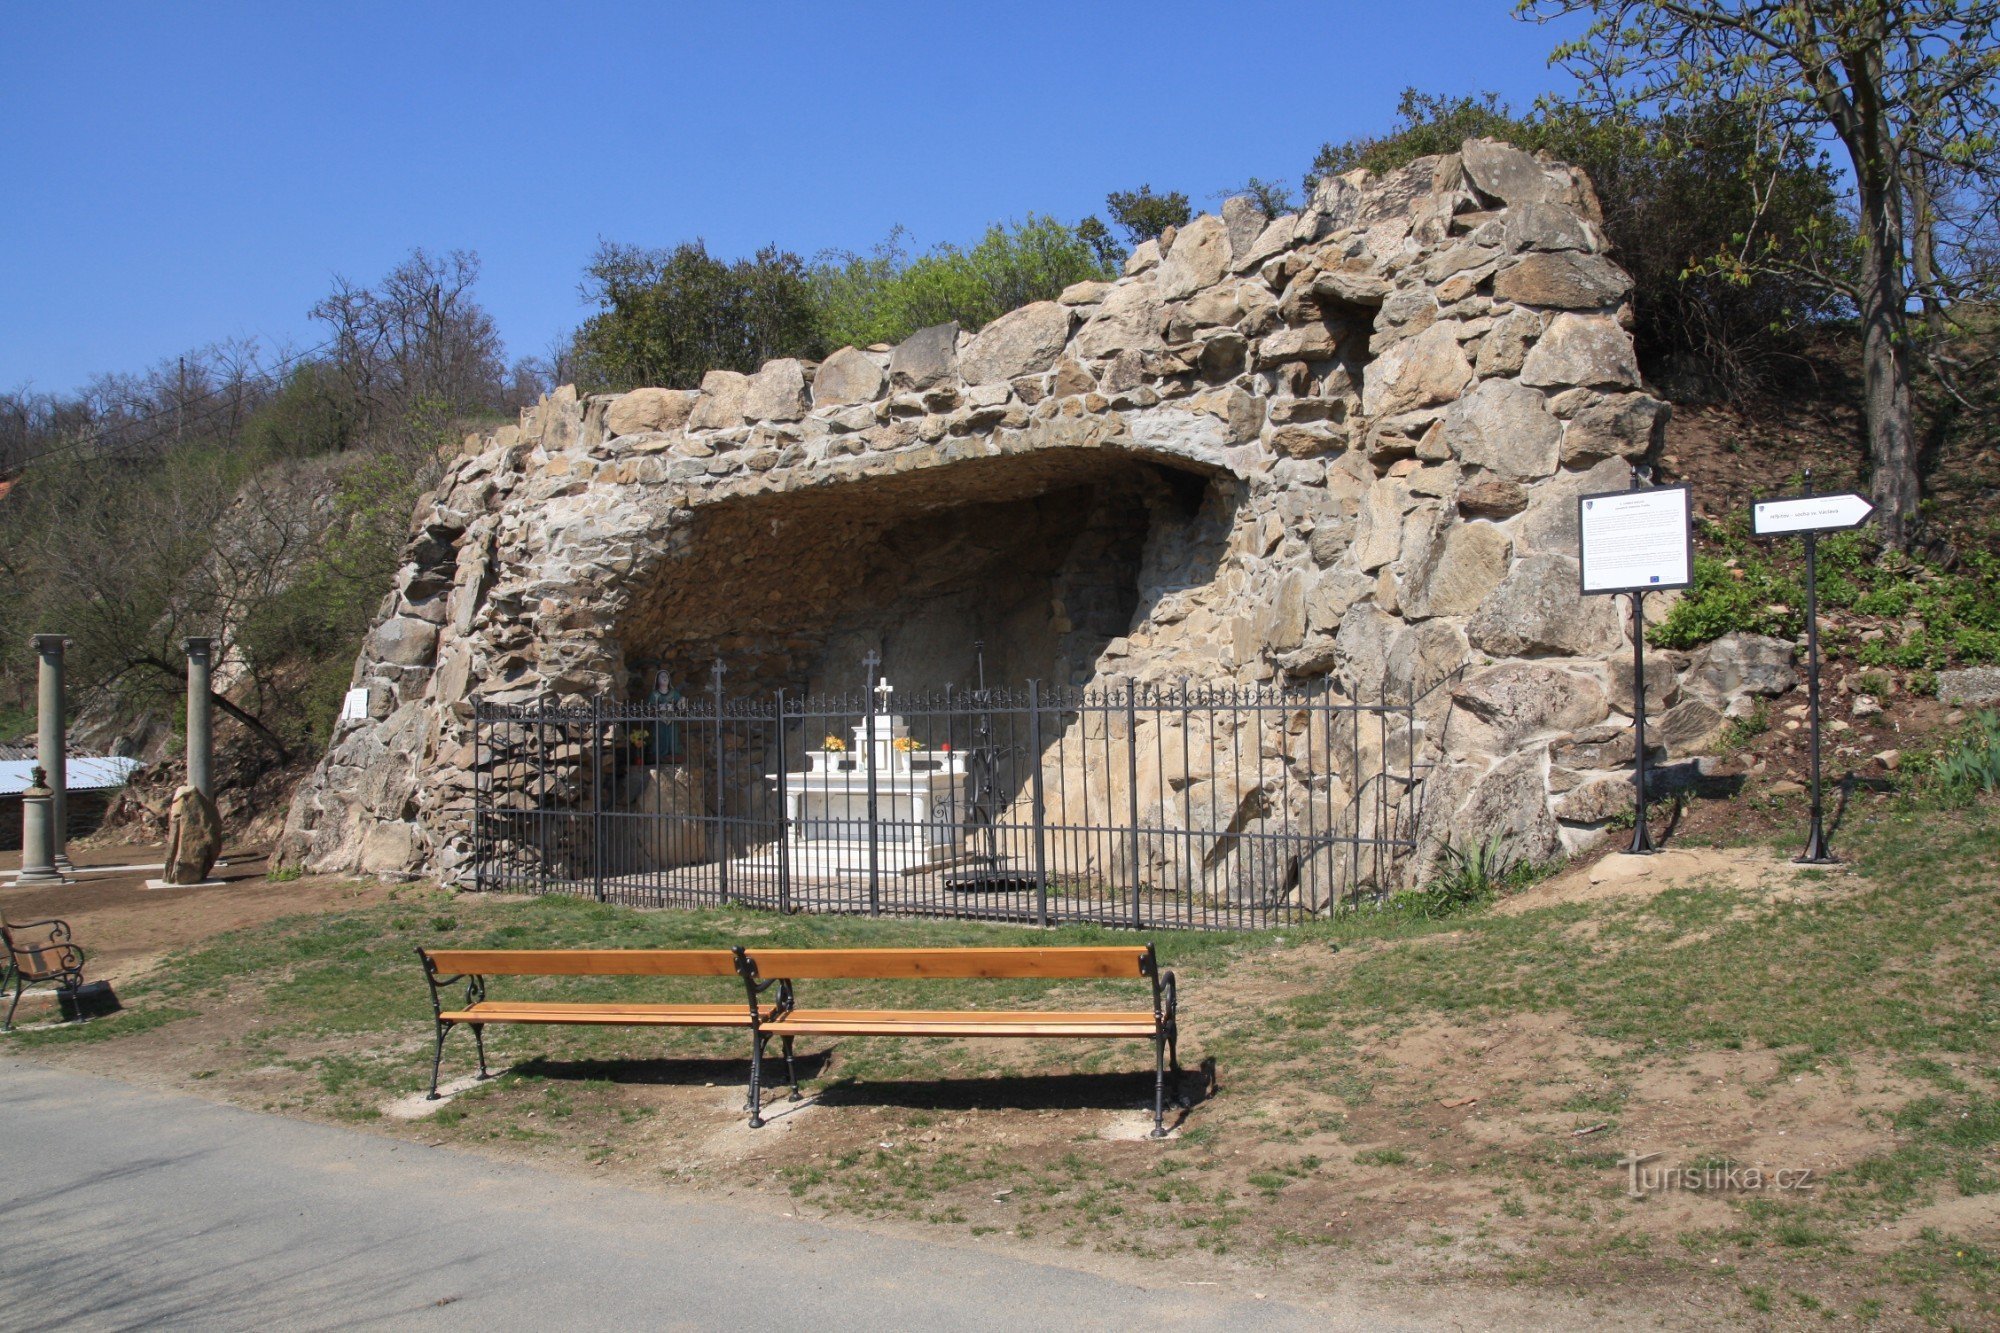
(37, 813)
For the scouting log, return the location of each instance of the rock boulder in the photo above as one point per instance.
(194, 837)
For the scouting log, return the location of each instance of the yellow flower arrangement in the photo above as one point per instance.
(833, 743)
(908, 744)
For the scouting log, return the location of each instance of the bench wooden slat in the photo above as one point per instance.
(608, 1015)
(889, 1026)
(999, 963)
(972, 1015)
(586, 962)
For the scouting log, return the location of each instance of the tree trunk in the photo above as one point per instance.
(1885, 371)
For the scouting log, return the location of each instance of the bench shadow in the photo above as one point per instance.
(1108, 1091)
(685, 1071)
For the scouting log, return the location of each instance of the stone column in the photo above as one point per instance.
(37, 813)
(52, 742)
(200, 737)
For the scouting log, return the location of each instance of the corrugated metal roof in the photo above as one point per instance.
(87, 772)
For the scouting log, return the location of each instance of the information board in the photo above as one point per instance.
(354, 705)
(1635, 541)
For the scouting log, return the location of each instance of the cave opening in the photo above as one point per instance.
(1044, 560)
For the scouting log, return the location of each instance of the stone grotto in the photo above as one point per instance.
(1342, 446)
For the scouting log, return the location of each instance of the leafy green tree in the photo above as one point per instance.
(1904, 86)
(887, 294)
(1143, 215)
(1103, 245)
(666, 317)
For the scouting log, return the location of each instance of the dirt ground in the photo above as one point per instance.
(125, 927)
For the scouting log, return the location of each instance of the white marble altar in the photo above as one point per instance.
(919, 799)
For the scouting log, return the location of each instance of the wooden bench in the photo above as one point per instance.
(444, 968)
(765, 968)
(39, 951)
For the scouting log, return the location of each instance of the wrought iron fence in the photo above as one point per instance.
(1134, 805)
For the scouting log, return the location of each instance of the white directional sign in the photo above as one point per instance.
(1808, 513)
(1638, 540)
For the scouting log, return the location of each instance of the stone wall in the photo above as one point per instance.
(1342, 442)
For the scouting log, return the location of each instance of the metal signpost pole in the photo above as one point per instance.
(1816, 853)
(1808, 515)
(1636, 541)
(1642, 837)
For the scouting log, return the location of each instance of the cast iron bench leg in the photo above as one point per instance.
(1160, 1086)
(757, 1080)
(791, 1070)
(479, 1040)
(437, 1058)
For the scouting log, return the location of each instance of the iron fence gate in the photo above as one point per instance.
(1132, 805)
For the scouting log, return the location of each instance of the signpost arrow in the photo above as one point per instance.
(1809, 513)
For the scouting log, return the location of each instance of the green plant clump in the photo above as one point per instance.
(1468, 877)
(1728, 598)
(1970, 765)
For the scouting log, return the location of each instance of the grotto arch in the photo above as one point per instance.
(1044, 565)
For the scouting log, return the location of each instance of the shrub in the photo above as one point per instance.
(1143, 215)
(667, 317)
(884, 296)
(1742, 584)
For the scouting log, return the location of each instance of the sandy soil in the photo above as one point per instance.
(126, 927)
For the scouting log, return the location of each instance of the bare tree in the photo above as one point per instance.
(1907, 87)
(416, 343)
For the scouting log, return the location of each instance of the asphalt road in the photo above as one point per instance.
(122, 1207)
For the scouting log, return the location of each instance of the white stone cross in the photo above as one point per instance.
(885, 689)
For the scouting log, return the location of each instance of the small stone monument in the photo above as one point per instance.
(194, 837)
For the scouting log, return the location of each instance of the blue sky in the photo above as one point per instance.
(180, 174)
